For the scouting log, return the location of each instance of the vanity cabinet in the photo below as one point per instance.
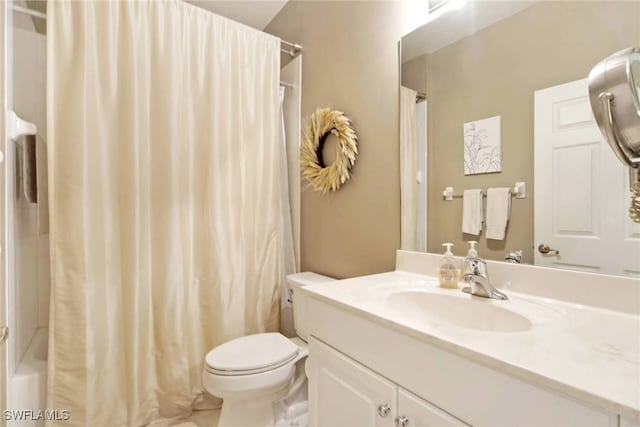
(342, 392)
(357, 366)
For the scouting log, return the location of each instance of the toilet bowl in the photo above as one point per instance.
(253, 373)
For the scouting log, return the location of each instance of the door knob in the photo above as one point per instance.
(402, 421)
(545, 249)
(383, 410)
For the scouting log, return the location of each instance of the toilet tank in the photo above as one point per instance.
(295, 282)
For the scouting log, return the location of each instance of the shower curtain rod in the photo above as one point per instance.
(30, 12)
(295, 47)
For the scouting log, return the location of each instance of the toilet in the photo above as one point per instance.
(255, 374)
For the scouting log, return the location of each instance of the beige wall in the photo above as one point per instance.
(414, 73)
(495, 72)
(350, 62)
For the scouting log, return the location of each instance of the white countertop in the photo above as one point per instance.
(588, 353)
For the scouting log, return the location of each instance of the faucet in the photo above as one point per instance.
(474, 274)
(514, 257)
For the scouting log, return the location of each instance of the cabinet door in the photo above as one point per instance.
(415, 412)
(343, 393)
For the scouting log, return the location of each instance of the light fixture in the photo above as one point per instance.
(441, 7)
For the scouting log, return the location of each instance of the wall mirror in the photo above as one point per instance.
(511, 77)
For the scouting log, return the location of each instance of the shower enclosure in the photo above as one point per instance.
(25, 278)
(25, 264)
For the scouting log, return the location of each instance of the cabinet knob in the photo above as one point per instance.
(402, 421)
(383, 410)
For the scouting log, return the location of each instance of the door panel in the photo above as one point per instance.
(345, 393)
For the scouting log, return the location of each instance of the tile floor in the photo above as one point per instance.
(207, 418)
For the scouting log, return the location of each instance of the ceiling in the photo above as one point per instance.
(256, 14)
(458, 24)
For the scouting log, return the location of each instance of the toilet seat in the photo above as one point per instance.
(249, 371)
(256, 364)
(251, 354)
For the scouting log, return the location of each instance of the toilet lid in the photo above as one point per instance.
(251, 352)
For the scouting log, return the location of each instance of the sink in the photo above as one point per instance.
(462, 311)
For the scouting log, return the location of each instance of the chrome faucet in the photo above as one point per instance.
(474, 274)
(514, 257)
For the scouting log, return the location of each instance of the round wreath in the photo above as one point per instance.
(322, 123)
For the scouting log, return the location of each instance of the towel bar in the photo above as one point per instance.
(519, 191)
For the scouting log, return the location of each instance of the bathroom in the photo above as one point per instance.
(147, 135)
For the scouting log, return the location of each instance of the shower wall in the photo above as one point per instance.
(31, 286)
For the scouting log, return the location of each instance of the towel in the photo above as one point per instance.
(498, 210)
(472, 212)
(29, 180)
(43, 186)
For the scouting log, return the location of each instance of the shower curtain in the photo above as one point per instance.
(408, 169)
(165, 200)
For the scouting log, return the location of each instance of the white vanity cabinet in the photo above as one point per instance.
(343, 393)
(357, 366)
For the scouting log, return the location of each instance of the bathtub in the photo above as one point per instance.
(28, 385)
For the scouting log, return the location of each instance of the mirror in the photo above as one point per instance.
(502, 86)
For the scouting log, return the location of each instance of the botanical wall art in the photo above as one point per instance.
(482, 146)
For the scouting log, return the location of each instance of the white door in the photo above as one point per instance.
(581, 189)
(343, 393)
(415, 412)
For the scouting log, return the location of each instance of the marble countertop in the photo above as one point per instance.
(591, 354)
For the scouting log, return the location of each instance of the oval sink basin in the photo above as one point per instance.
(465, 312)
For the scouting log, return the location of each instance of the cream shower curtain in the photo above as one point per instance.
(408, 169)
(165, 201)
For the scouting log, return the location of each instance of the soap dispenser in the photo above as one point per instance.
(472, 253)
(449, 273)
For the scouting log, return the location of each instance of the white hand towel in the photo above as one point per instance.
(472, 216)
(498, 211)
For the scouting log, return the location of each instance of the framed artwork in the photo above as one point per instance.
(482, 146)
